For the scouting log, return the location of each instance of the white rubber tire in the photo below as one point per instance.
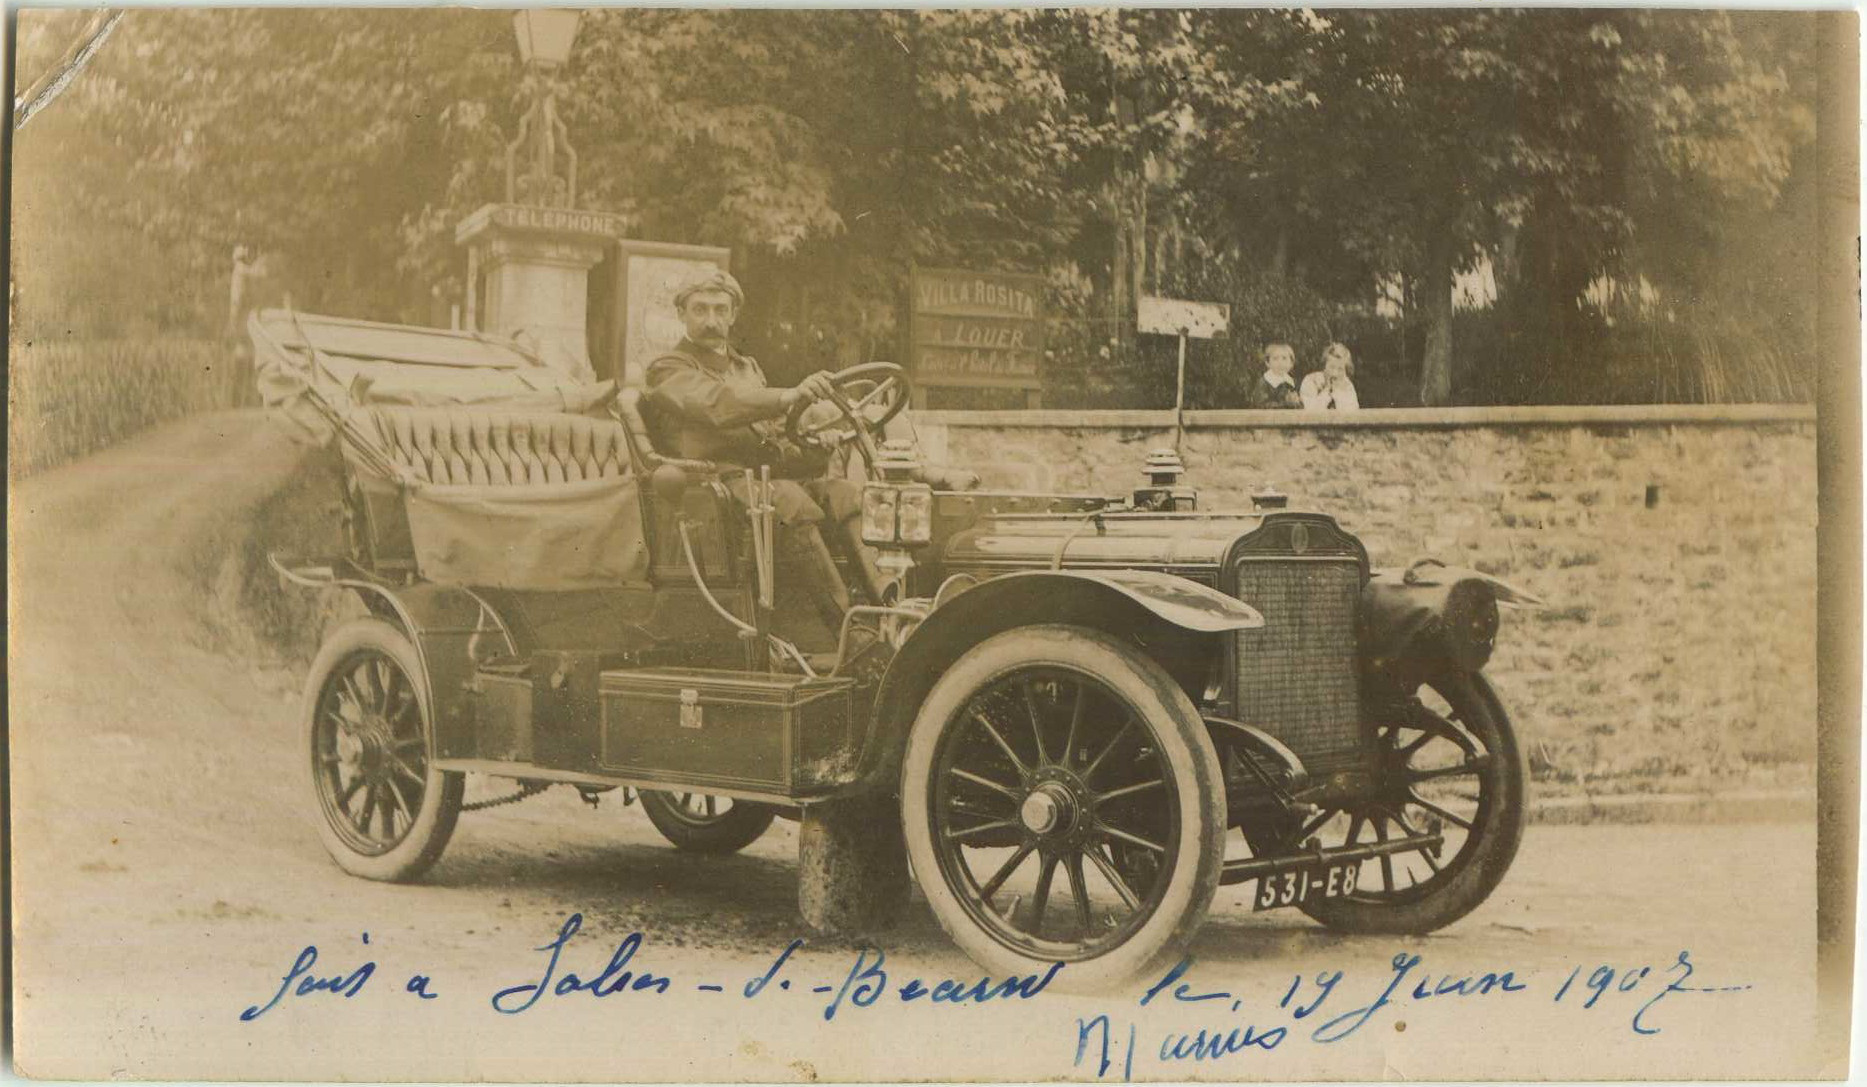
(1187, 749)
(434, 823)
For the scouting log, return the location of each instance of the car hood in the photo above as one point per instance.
(1191, 544)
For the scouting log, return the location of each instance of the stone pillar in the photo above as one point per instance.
(536, 262)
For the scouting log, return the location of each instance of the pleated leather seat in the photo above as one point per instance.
(455, 446)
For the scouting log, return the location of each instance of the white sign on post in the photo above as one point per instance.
(1174, 317)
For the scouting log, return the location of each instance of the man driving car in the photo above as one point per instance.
(719, 408)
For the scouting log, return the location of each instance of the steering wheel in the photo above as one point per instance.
(866, 397)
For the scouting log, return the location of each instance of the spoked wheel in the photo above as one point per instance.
(387, 813)
(704, 823)
(1448, 764)
(1061, 803)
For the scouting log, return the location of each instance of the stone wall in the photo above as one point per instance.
(1676, 547)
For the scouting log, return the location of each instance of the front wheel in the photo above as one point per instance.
(1061, 803)
(385, 812)
(1448, 762)
(704, 823)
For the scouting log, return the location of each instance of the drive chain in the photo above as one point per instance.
(526, 789)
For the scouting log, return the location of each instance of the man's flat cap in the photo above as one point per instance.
(713, 279)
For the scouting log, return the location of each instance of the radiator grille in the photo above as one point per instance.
(1296, 674)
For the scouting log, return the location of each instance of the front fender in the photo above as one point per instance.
(1434, 611)
(1176, 621)
(1186, 604)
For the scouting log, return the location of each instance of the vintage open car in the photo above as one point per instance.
(1056, 711)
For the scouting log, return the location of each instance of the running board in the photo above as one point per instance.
(522, 771)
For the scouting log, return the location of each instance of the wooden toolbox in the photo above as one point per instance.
(699, 726)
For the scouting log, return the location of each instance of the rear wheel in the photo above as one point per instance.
(704, 823)
(386, 812)
(1448, 764)
(1061, 803)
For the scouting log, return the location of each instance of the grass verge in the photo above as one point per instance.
(67, 399)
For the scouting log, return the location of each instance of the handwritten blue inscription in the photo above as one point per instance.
(612, 979)
(346, 985)
(1346, 1024)
(1227, 1027)
(867, 981)
(1209, 1018)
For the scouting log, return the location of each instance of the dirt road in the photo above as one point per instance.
(167, 875)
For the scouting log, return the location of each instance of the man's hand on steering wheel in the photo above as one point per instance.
(883, 393)
(818, 386)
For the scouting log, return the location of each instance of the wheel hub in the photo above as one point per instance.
(1048, 809)
(362, 748)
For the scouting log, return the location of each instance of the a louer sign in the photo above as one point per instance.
(976, 329)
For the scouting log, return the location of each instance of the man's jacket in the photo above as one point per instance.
(715, 405)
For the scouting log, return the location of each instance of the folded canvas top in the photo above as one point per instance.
(507, 472)
(345, 361)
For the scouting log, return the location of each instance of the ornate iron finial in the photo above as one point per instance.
(545, 38)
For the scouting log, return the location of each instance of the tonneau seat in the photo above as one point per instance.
(522, 500)
(476, 446)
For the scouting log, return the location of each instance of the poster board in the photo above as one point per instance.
(647, 275)
(981, 330)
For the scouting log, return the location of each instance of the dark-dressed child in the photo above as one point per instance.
(1275, 388)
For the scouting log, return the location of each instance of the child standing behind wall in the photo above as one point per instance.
(1276, 388)
(1330, 388)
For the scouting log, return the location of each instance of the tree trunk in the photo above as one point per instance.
(1436, 286)
(1128, 191)
(1137, 233)
(1548, 348)
(906, 196)
(1119, 303)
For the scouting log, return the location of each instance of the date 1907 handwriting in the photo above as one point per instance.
(1102, 1043)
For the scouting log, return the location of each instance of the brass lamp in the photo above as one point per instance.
(545, 35)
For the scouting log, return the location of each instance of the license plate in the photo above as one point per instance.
(1306, 884)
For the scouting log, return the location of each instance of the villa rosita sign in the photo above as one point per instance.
(978, 329)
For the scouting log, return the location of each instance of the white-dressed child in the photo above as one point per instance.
(1332, 388)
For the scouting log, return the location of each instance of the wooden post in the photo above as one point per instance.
(1179, 396)
(1178, 317)
(473, 288)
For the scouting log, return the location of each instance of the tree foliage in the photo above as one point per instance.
(1539, 142)
(1614, 172)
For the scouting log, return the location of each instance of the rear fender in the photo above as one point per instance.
(453, 629)
(1180, 623)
